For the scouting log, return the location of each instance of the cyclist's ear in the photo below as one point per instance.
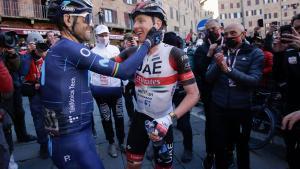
(157, 23)
(68, 20)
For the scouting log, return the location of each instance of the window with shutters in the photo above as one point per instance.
(235, 15)
(238, 5)
(128, 21)
(222, 6)
(249, 3)
(171, 12)
(231, 5)
(110, 16)
(176, 28)
(275, 15)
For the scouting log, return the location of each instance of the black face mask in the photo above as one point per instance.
(212, 37)
(231, 42)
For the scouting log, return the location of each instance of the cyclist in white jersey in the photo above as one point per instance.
(155, 82)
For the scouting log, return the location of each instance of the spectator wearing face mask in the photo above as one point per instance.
(202, 58)
(107, 92)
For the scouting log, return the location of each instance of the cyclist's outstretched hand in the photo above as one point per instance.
(290, 119)
(154, 37)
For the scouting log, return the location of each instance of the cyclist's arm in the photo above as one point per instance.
(125, 54)
(180, 62)
(87, 60)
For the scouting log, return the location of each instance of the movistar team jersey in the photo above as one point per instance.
(65, 88)
(157, 77)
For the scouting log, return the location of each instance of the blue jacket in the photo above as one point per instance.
(244, 77)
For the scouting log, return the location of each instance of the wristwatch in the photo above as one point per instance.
(173, 116)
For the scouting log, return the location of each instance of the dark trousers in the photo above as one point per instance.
(4, 149)
(230, 127)
(15, 108)
(206, 99)
(19, 114)
(38, 118)
(106, 106)
(184, 124)
(128, 93)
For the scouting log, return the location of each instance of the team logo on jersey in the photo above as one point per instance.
(104, 62)
(85, 52)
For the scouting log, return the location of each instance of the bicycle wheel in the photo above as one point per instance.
(263, 128)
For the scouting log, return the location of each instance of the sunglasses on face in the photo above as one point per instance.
(88, 17)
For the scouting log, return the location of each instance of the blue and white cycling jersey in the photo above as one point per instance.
(65, 92)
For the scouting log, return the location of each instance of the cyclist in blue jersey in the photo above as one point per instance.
(66, 96)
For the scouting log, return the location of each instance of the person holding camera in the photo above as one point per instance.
(286, 69)
(7, 43)
(202, 59)
(31, 70)
(6, 90)
(129, 91)
(234, 73)
(12, 61)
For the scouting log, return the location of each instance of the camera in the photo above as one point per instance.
(41, 46)
(285, 29)
(8, 39)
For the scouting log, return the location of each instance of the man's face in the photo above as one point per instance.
(102, 38)
(142, 25)
(50, 36)
(234, 32)
(296, 25)
(83, 26)
(127, 44)
(213, 28)
(31, 46)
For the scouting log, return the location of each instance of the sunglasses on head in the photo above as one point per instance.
(88, 17)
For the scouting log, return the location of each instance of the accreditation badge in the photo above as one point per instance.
(292, 60)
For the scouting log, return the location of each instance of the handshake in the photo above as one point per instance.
(158, 128)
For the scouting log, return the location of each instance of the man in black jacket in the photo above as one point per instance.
(235, 71)
(202, 58)
(286, 68)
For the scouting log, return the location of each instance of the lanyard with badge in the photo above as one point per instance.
(231, 60)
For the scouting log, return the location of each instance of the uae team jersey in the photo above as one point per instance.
(157, 77)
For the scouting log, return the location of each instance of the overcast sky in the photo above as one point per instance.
(212, 5)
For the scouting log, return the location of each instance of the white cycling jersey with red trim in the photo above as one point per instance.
(157, 77)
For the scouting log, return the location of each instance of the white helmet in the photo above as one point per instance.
(101, 29)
